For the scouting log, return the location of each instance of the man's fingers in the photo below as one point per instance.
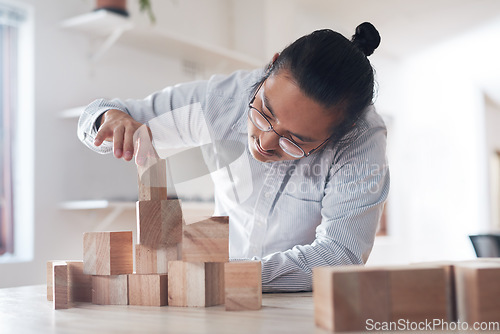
(124, 131)
(118, 134)
(128, 145)
(144, 150)
(103, 134)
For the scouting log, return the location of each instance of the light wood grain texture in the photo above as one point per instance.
(155, 261)
(25, 310)
(148, 290)
(110, 290)
(159, 234)
(60, 286)
(159, 223)
(449, 270)
(79, 284)
(50, 278)
(206, 240)
(478, 291)
(192, 284)
(373, 298)
(152, 181)
(324, 315)
(345, 297)
(108, 253)
(243, 285)
(418, 293)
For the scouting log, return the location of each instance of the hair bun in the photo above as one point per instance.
(366, 38)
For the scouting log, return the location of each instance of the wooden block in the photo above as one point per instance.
(50, 278)
(110, 290)
(478, 291)
(449, 270)
(60, 286)
(206, 240)
(195, 284)
(153, 181)
(418, 293)
(155, 261)
(159, 223)
(148, 290)
(159, 233)
(345, 297)
(79, 284)
(373, 298)
(108, 253)
(243, 285)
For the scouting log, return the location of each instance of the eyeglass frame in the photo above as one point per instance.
(271, 127)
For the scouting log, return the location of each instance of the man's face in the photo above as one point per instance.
(292, 114)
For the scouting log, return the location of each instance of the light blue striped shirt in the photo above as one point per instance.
(321, 210)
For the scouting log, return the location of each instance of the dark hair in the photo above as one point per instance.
(333, 71)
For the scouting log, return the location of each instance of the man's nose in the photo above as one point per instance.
(269, 140)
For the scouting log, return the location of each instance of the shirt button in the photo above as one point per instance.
(267, 195)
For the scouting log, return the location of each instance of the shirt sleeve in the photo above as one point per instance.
(174, 114)
(355, 193)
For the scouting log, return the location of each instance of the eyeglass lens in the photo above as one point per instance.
(263, 124)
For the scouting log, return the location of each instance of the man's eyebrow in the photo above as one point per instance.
(268, 106)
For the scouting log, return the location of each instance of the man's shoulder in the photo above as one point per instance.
(234, 85)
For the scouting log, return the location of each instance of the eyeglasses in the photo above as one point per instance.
(263, 124)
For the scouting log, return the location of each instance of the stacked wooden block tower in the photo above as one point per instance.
(353, 298)
(179, 261)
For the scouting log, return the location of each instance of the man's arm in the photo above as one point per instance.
(110, 125)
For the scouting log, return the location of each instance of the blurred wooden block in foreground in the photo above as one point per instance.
(347, 297)
(419, 293)
(147, 290)
(195, 284)
(243, 285)
(478, 290)
(449, 270)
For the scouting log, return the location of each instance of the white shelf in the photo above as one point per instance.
(117, 208)
(96, 204)
(106, 204)
(99, 23)
(120, 29)
(190, 209)
(71, 113)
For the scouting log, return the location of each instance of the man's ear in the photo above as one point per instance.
(276, 55)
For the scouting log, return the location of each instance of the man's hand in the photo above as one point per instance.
(120, 128)
(145, 153)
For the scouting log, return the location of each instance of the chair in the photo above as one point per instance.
(486, 245)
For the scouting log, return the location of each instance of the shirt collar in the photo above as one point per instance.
(241, 124)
